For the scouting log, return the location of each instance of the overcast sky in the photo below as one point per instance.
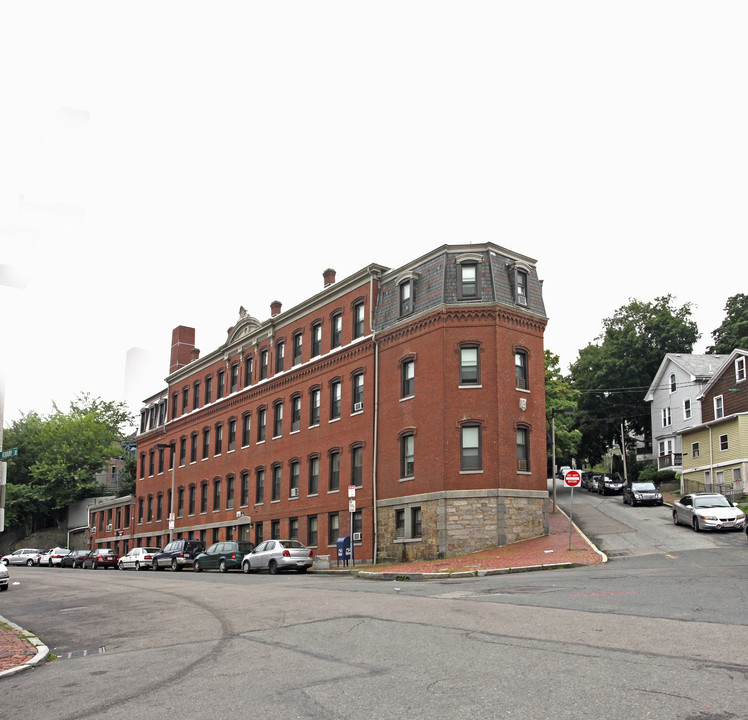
(164, 163)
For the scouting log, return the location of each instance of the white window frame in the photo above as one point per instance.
(740, 370)
(673, 383)
(719, 407)
(667, 417)
(687, 409)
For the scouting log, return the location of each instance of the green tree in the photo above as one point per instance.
(613, 375)
(59, 456)
(733, 332)
(561, 402)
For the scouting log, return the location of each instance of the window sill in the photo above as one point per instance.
(522, 390)
(332, 420)
(408, 479)
(523, 472)
(407, 397)
(401, 541)
(467, 387)
(471, 472)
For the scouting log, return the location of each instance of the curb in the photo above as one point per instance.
(42, 651)
(592, 545)
(421, 576)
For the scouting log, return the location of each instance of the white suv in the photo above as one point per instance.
(24, 556)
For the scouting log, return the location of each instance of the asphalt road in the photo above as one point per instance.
(661, 634)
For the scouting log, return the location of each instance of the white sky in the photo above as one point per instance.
(163, 163)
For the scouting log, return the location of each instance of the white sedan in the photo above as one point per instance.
(4, 576)
(708, 511)
(139, 558)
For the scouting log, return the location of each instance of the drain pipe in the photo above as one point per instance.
(375, 439)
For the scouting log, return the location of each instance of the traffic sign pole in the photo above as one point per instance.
(572, 479)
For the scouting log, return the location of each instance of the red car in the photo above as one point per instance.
(101, 557)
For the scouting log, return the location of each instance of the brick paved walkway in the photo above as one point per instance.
(15, 650)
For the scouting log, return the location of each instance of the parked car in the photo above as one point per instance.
(74, 559)
(562, 471)
(641, 493)
(223, 556)
(610, 484)
(101, 557)
(4, 576)
(278, 555)
(140, 558)
(24, 556)
(592, 484)
(586, 477)
(708, 511)
(52, 556)
(178, 554)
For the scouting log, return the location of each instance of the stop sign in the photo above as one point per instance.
(572, 478)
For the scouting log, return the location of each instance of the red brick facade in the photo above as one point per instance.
(429, 381)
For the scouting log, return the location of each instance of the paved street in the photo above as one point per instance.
(648, 635)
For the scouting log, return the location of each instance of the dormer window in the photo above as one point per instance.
(468, 280)
(406, 297)
(521, 287)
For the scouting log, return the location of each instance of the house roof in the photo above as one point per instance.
(729, 361)
(700, 367)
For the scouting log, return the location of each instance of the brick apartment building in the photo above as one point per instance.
(421, 387)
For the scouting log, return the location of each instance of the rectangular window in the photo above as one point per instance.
(208, 390)
(219, 440)
(740, 369)
(206, 443)
(275, 490)
(232, 435)
(335, 394)
(230, 492)
(666, 417)
(520, 370)
(358, 320)
(185, 400)
(221, 383)
(415, 522)
(246, 427)
(180, 502)
(719, 407)
(151, 463)
(196, 396)
(182, 451)
(159, 506)
(408, 385)
(357, 466)
(193, 447)
(334, 483)
(332, 528)
(311, 531)
(695, 452)
(399, 524)
(314, 403)
(259, 486)
(313, 475)
(296, 413)
(337, 330)
(278, 419)
(248, 365)
(234, 378)
(358, 392)
(204, 497)
(470, 447)
(723, 443)
(294, 480)
(521, 287)
(261, 418)
(358, 523)
(316, 339)
(469, 365)
(297, 340)
(405, 297)
(263, 364)
(244, 500)
(293, 528)
(280, 356)
(161, 461)
(191, 504)
(523, 451)
(407, 456)
(468, 280)
(216, 496)
(687, 409)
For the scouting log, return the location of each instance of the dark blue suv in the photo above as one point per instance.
(178, 554)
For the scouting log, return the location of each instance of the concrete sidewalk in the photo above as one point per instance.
(20, 650)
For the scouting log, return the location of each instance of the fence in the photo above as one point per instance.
(727, 489)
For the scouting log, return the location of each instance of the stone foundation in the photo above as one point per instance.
(461, 522)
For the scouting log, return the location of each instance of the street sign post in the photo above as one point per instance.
(572, 479)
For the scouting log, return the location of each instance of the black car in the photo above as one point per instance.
(74, 559)
(641, 493)
(178, 554)
(610, 484)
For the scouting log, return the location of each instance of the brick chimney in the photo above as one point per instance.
(329, 276)
(182, 347)
(275, 308)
